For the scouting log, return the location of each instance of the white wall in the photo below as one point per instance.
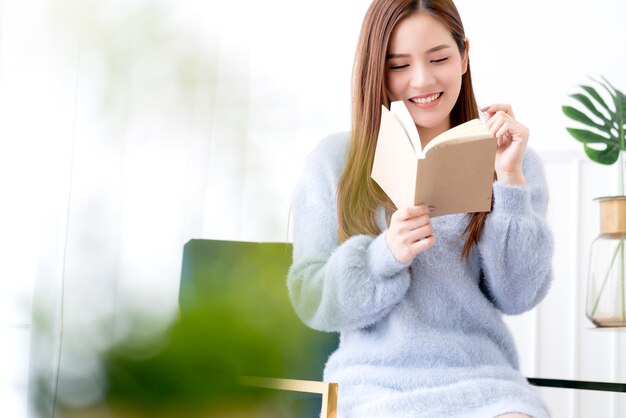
(534, 54)
(127, 127)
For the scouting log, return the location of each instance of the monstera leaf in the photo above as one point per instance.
(605, 123)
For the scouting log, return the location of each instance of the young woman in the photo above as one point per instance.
(418, 301)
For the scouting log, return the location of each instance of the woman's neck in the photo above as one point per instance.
(427, 134)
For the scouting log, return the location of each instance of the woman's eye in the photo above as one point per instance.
(440, 60)
(398, 67)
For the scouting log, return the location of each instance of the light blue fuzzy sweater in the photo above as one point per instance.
(431, 343)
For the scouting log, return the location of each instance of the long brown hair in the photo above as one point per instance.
(358, 195)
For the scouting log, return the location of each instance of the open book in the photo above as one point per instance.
(453, 173)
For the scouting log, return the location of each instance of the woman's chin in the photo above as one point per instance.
(430, 125)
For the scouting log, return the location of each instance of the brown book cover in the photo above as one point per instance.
(454, 172)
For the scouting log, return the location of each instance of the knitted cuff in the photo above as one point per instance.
(381, 261)
(512, 199)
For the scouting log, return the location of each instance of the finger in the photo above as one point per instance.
(495, 126)
(410, 212)
(406, 228)
(418, 222)
(493, 108)
(422, 245)
(499, 115)
(422, 232)
(409, 236)
(503, 141)
(496, 118)
(419, 210)
(504, 130)
(486, 109)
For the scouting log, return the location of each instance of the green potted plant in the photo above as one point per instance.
(604, 142)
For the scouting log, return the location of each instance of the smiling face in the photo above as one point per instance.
(424, 68)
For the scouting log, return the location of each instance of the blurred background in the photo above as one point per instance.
(129, 127)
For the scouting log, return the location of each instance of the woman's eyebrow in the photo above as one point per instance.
(433, 49)
(438, 48)
(391, 56)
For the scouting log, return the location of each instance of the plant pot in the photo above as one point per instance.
(606, 290)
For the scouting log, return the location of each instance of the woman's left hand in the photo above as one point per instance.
(512, 138)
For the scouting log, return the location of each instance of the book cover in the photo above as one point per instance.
(453, 173)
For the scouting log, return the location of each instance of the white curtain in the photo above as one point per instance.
(142, 124)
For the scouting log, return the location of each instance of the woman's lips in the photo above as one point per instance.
(426, 100)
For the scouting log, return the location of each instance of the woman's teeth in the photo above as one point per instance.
(424, 100)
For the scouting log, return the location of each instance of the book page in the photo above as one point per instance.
(401, 113)
(395, 163)
(472, 130)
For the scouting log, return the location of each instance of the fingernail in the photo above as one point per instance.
(485, 108)
(431, 208)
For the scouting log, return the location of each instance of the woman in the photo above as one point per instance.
(418, 302)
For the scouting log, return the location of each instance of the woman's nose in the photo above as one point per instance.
(422, 77)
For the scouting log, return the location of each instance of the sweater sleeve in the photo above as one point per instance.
(516, 245)
(332, 286)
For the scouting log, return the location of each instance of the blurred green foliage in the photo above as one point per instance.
(235, 320)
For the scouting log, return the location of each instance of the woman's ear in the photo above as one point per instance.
(465, 60)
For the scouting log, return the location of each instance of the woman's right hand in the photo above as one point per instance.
(410, 233)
